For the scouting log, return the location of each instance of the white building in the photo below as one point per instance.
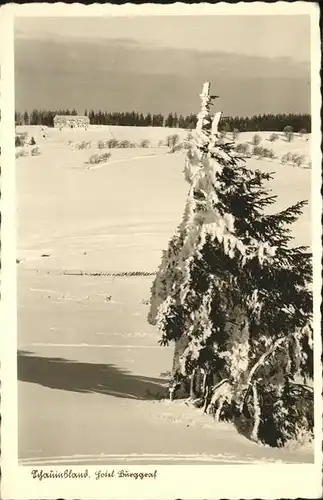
(71, 121)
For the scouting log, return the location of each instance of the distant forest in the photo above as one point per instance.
(266, 122)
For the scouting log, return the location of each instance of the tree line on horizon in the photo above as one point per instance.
(264, 122)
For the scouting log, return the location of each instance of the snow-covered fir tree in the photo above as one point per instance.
(235, 296)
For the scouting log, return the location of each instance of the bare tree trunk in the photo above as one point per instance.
(180, 346)
(183, 385)
(192, 385)
(198, 383)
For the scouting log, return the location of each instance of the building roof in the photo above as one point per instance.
(69, 117)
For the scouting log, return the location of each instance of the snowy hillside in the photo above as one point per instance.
(89, 335)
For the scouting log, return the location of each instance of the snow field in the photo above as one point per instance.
(116, 218)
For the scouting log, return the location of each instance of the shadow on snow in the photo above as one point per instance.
(75, 376)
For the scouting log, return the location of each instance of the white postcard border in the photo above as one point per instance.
(189, 482)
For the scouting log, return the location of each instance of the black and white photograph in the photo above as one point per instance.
(166, 173)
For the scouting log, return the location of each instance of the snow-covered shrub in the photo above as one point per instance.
(298, 160)
(256, 140)
(287, 158)
(144, 143)
(258, 151)
(21, 152)
(188, 141)
(35, 151)
(273, 137)
(235, 133)
(124, 144)
(293, 158)
(172, 141)
(234, 296)
(96, 158)
(82, 145)
(20, 140)
(303, 132)
(180, 146)
(289, 134)
(112, 143)
(268, 153)
(189, 138)
(185, 144)
(243, 149)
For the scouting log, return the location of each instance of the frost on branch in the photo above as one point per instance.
(234, 296)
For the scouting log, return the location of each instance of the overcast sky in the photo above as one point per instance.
(257, 64)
